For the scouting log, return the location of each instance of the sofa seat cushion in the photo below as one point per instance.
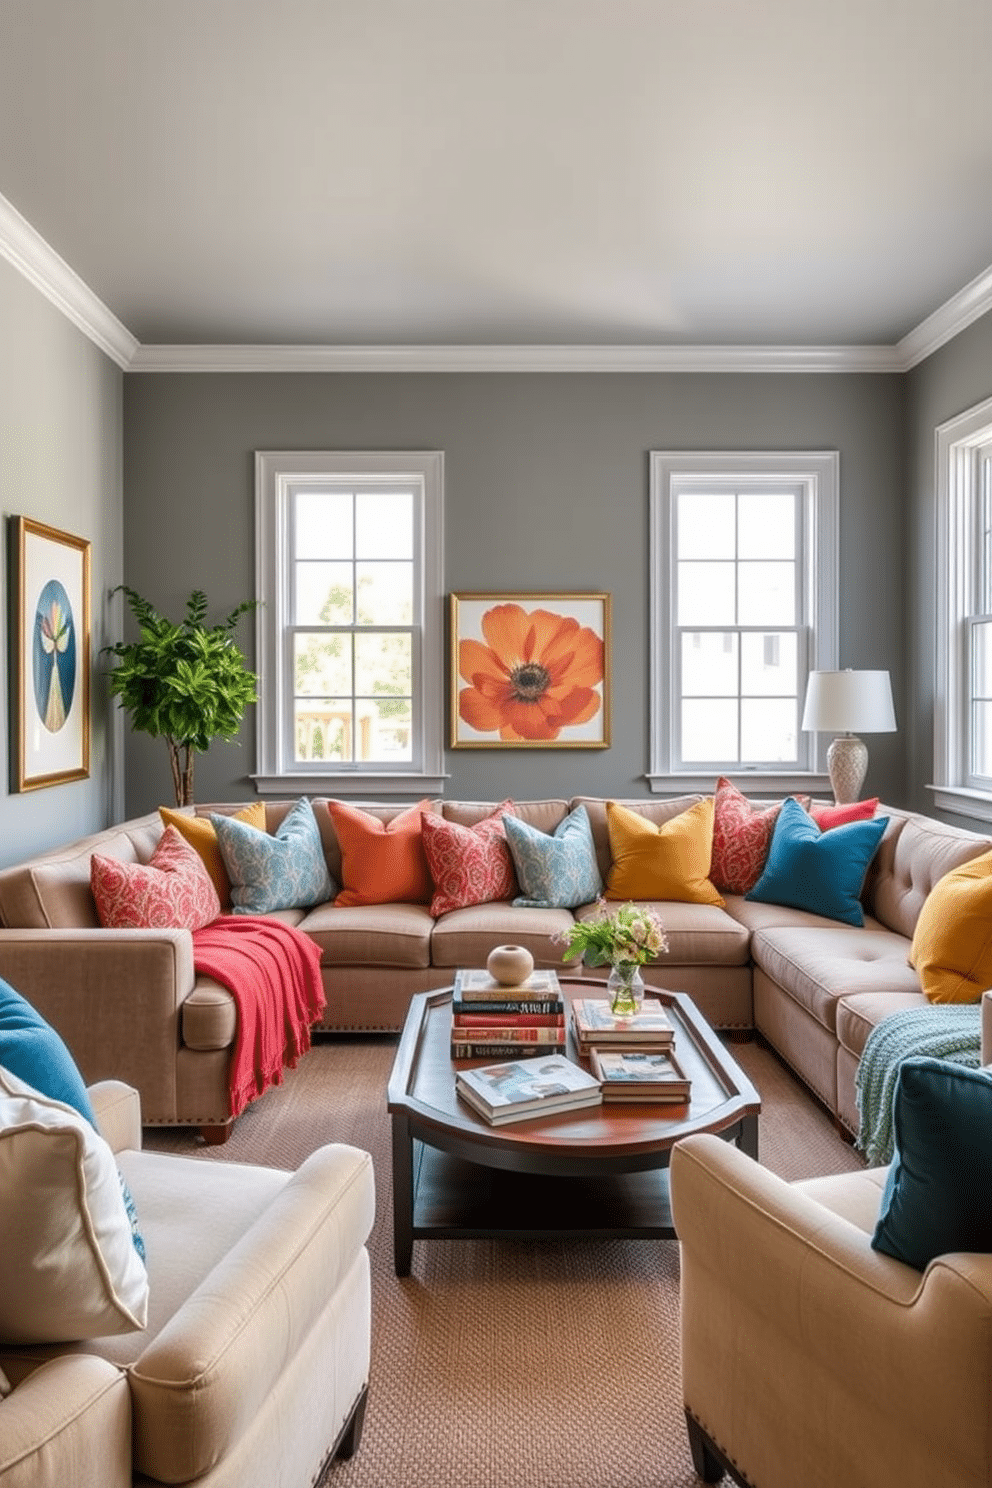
(860, 1012)
(698, 934)
(818, 967)
(371, 934)
(755, 915)
(209, 1018)
(465, 937)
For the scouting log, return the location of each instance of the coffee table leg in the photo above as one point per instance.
(749, 1136)
(402, 1196)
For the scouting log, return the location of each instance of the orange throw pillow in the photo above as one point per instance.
(199, 833)
(381, 862)
(670, 861)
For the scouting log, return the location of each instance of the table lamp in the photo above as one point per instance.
(848, 703)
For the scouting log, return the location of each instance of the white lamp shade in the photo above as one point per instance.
(849, 703)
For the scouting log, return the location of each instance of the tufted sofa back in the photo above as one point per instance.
(914, 853)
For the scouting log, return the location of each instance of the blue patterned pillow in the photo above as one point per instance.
(284, 870)
(559, 871)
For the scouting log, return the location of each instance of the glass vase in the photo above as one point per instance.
(625, 987)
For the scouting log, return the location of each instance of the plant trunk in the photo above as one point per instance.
(181, 757)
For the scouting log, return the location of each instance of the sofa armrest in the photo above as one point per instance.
(68, 1416)
(204, 1378)
(115, 996)
(790, 1315)
(117, 1108)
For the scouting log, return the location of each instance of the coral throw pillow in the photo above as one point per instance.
(200, 832)
(172, 891)
(952, 942)
(469, 865)
(381, 862)
(837, 816)
(742, 834)
(670, 861)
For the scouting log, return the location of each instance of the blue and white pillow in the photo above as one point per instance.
(282, 870)
(558, 871)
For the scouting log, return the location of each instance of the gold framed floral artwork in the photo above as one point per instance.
(530, 671)
(50, 674)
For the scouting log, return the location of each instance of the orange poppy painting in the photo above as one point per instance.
(530, 670)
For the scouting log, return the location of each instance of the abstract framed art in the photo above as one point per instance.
(530, 671)
(50, 669)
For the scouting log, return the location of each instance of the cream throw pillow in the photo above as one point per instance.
(68, 1265)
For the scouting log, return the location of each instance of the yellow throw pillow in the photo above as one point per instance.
(670, 861)
(952, 942)
(199, 833)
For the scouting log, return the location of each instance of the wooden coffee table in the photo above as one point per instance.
(598, 1171)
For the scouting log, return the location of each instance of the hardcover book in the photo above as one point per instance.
(476, 985)
(511, 1091)
(596, 1024)
(639, 1074)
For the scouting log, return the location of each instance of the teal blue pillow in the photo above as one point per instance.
(557, 871)
(33, 1051)
(938, 1196)
(821, 872)
(282, 870)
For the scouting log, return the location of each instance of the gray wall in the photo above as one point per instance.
(949, 382)
(60, 463)
(546, 488)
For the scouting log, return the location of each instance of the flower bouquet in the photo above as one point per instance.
(624, 941)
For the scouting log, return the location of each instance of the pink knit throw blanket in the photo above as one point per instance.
(273, 973)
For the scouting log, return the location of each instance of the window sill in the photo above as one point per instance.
(962, 801)
(351, 784)
(751, 782)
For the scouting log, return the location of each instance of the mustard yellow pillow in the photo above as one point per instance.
(952, 942)
(199, 833)
(670, 861)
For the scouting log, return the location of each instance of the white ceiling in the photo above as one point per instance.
(638, 173)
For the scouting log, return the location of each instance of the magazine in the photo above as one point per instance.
(639, 1074)
(529, 1085)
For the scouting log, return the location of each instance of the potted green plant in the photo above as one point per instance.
(185, 683)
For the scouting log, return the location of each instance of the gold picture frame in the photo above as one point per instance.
(50, 671)
(530, 671)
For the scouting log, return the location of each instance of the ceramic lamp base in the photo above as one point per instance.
(847, 765)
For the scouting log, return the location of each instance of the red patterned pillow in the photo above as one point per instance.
(469, 865)
(742, 834)
(836, 816)
(172, 891)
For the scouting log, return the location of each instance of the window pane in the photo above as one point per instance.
(981, 739)
(323, 524)
(767, 525)
(768, 730)
(322, 730)
(384, 524)
(706, 594)
(981, 674)
(709, 664)
(769, 665)
(385, 730)
(324, 594)
(383, 665)
(321, 665)
(385, 593)
(767, 594)
(709, 730)
(706, 525)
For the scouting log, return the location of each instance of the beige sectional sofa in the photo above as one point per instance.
(130, 1005)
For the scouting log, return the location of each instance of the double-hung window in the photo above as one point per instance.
(350, 629)
(963, 680)
(743, 607)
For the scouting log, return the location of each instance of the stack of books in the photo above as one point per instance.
(639, 1075)
(597, 1027)
(492, 1021)
(521, 1090)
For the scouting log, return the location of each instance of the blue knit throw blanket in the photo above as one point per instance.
(941, 1031)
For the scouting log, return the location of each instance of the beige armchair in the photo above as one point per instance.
(807, 1356)
(253, 1367)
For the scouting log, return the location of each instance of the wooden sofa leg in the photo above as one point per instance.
(705, 1460)
(351, 1436)
(217, 1134)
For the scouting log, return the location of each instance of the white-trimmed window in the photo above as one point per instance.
(963, 682)
(743, 607)
(350, 631)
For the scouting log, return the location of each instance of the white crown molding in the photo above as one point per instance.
(42, 267)
(957, 313)
(516, 359)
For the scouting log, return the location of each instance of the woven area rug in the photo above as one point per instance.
(510, 1364)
